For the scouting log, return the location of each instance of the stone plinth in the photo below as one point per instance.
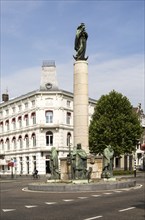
(64, 169)
(81, 104)
(95, 162)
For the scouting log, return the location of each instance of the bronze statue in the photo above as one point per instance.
(108, 156)
(79, 162)
(54, 164)
(81, 42)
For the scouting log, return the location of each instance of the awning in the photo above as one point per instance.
(11, 164)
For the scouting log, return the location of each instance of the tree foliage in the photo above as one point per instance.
(114, 122)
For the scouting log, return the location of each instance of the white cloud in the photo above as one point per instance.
(21, 82)
(125, 75)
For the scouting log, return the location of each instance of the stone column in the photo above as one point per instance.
(81, 104)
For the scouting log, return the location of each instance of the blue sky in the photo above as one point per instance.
(33, 31)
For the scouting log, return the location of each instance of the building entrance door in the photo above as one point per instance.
(48, 166)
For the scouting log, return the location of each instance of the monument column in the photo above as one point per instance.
(80, 116)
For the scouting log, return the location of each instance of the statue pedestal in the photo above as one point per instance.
(95, 162)
(80, 107)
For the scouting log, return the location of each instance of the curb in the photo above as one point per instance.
(61, 187)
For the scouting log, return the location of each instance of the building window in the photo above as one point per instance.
(13, 109)
(68, 118)
(1, 126)
(68, 103)
(27, 165)
(20, 121)
(68, 138)
(20, 142)
(7, 111)
(34, 139)
(21, 165)
(7, 125)
(33, 115)
(8, 143)
(33, 103)
(49, 138)
(14, 143)
(27, 140)
(26, 105)
(20, 107)
(34, 162)
(26, 120)
(49, 116)
(2, 144)
(14, 123)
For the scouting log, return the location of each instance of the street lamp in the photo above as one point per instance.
(134, 170)
(135, 156)
(70, 156)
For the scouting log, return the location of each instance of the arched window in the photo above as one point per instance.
(2, 144)
(27, 140)
(20, 121)
(33, 116)
(1, 126)
(26, 119)
(34, 139)
(8, 143)
(14, 123)
(14, 142)
(20, 141)
(49, 138)
(7, 125)
(49, 116)
(68, 138)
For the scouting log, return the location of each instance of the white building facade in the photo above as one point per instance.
(30, 125)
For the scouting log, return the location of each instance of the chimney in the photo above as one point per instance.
(5, 97)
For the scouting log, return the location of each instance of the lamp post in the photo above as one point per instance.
(70, 157)
(135, 157)
(134, 170)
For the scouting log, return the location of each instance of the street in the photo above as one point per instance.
(122, 204)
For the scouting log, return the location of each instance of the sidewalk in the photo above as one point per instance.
(8, 178)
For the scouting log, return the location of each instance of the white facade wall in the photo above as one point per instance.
(37, 103)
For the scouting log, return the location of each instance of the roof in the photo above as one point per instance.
(37, 92)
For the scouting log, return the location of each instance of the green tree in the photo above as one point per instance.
(114, 122)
